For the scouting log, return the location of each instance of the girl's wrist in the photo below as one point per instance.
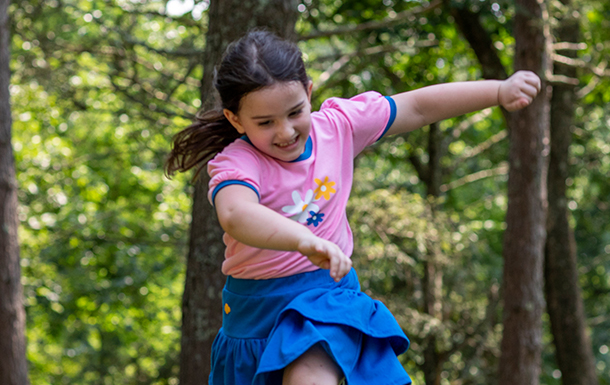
(498, 93)
(304, 239)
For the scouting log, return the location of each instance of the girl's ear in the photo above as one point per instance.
(309, 90)
(234, 120)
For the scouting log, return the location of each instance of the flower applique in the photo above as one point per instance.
(302, 207)
(324, 189)
(315, 218)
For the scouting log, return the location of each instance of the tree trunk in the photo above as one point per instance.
(478, 38)
(480, 41)
(526, 213)
(564, 301)
(13, 368)
(202, 314)
(433, 275)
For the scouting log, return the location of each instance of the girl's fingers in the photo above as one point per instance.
(345, 267)
(334, 267)
(338, 266)
(535, 82)
(529, 90)
(329, 256)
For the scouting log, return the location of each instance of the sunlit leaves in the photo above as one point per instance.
(102, 231)
(98, 89)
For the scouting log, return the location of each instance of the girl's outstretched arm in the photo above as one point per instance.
(245, 219)
(418, 108)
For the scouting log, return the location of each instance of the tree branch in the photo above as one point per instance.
(465, 124)
(562, 79)
(482, 147)
(502, 169)
(371, 25)
(581, 93)
(599, 70)
(344, 59)
(125, 92)
(566, 45)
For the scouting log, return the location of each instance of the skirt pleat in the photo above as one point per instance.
(267, 324)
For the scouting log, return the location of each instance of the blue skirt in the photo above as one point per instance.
(267, 324)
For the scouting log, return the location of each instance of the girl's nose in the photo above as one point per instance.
(285, 130)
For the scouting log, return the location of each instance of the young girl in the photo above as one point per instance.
(280, 179)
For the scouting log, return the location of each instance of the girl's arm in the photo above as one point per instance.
(418, 108)
(245, 219)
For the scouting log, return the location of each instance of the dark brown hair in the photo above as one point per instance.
(257, 60)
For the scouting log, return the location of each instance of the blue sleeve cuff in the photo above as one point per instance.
(230, 182)
(392, 116)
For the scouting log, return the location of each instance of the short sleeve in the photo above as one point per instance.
(367, 116)
(236, 164)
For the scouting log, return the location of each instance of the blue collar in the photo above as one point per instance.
(305, 155)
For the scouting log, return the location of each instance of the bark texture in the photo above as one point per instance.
(202, 313)
(13, 368)
(526, 213)
(433, 275)
(564, 300)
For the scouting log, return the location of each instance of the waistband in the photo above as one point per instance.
(250, 306)
(275, 286)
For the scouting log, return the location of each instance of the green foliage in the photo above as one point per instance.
(99, 88)
(103, 232)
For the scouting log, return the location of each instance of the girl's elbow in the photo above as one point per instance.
(227, 219)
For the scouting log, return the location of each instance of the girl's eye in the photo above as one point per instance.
(295, 113)
(265, 123)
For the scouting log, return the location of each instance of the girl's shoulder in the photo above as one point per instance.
(364, 117)
(239, 154)
(352, 102)
(241, 147)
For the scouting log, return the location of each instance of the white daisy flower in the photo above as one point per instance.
(301, 208)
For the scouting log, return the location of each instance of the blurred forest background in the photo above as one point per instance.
(99, 88)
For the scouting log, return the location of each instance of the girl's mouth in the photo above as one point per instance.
(287, 144)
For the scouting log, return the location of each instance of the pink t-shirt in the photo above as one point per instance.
(312, 189)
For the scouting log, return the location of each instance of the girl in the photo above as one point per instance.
(280, 178)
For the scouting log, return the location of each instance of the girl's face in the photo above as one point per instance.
(276, 119)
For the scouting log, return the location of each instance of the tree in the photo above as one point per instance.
(102, 234)
(564, 300)
(13, 368)
(526, 212)
(563, 295)
(202, 315)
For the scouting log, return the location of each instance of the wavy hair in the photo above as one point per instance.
(257, 60)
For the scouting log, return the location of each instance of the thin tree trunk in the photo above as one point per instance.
(526, 213)
(480, 41)
(432, 281)
(202, 313)
(470, 26)
(564, 301)
(13, 368)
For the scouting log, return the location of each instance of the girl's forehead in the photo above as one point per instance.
(274, 98)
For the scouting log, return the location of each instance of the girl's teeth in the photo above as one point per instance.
(287, 144)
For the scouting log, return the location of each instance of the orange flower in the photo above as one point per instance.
(324, 189)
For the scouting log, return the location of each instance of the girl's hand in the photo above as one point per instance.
(519, 90)
(326, 255)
